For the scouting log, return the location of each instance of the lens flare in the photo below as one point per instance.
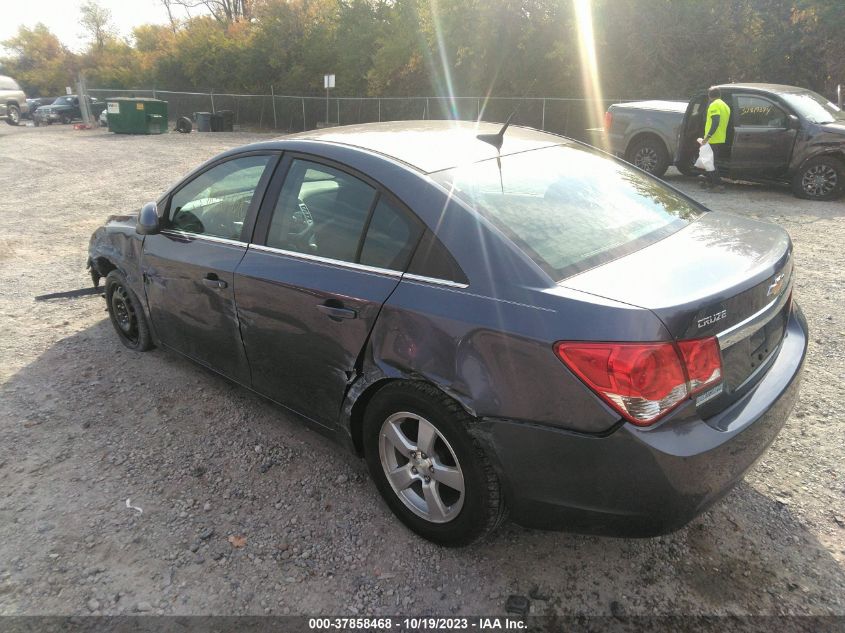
(589, 66)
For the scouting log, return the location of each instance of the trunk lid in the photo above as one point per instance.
(723, 275)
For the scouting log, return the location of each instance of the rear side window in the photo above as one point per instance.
(431, 259)
(321, 211)
(569, 208)
(391, 237)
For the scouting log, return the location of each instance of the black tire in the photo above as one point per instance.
(820, 178)
(687, 166)
(649, 154)
(482, 508)
(127, 314)
(65, 119)
(184, 125)
(13, 114)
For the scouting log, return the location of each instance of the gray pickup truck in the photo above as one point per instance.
(775, 134)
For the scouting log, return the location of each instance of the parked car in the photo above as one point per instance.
(494, 320)
(776, 133)
(13, 103)
(66, 110)
(36, 103)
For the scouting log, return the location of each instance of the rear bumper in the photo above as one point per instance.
(643, 482)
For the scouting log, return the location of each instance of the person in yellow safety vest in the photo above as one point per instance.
(716, 133)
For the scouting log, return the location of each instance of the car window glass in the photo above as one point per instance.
(391, 236)
(431, 259)
(320, 211)
(569, 208)
(757, 112)
(215, 203)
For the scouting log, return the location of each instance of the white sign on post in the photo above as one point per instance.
(68, 90)
(328, 81)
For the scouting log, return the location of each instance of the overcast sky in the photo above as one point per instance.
(62, 17)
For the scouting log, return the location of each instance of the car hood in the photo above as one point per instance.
(834, 128)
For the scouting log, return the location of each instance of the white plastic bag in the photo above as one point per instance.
(705, 158)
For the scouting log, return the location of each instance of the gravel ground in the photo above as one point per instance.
(245, 511)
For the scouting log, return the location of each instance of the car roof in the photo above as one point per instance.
(431, 146)
(776, 88)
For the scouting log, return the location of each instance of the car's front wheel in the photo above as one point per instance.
(820, 178)
(127, 314)
(433, 475)
(13, 114)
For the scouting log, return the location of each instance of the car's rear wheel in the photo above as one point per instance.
(432, 473)
(649, 154)
(127, 314)
(13, 114)
(820, 178)
(65, 119)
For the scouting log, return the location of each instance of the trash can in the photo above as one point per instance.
(227, 124)
(203, 120)
(216, 122)
(137, 116)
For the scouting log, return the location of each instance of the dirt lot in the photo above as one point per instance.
(86, 425)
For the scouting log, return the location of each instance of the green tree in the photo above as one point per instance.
(39, 61)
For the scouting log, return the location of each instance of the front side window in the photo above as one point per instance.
(215, 203)
(757, 112)
(569, 208)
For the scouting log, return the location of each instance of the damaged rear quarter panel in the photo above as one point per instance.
(494, 356)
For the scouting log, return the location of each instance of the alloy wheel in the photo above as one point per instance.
(819, 180)
(646, 159)
(421, 467)
(14, 115)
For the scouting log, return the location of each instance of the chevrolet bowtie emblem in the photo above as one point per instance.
(776, 286)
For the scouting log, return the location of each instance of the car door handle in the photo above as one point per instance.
(335, 313)
(212, 281)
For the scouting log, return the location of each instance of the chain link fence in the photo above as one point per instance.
(570, 117)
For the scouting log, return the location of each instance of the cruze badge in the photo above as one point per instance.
(776, 286)
(709, 320)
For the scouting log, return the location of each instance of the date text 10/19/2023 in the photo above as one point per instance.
(418, 624)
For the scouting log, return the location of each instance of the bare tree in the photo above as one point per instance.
(222, 10)
(96, 21)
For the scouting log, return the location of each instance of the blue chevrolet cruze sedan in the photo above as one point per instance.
(499, 321)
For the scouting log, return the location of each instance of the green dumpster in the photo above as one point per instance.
(137, 116)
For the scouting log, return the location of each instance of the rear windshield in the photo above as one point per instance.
(569, 208)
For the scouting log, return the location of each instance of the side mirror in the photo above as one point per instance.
(148, 222)
(793, 123)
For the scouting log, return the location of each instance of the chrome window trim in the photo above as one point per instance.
(327, 260)
(434, 280)
(749, 326)
(361, 267)
(200, 236)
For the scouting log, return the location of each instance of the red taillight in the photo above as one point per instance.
(703, 361)
(608, 120)
(644, 381)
